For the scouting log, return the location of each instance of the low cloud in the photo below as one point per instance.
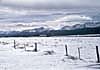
(50, 3)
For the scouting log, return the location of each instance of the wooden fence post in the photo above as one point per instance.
(35, 47)
(14, 44)
(79, 53)
(97, 52)
(66, 50)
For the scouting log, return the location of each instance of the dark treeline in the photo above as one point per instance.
(48, 33)
(74, 32)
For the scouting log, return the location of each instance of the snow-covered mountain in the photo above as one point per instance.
(47, 30)
(81, 26)
(15, 22)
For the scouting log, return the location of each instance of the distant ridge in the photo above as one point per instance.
(43, 32)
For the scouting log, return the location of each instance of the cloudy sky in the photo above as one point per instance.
(50, 3)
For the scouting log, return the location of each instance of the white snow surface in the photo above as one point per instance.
(19, 59)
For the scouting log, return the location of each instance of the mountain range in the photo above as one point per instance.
(78, 29)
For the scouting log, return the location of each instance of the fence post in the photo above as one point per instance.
(14, 44)
(79, 53)
(66, 50)
(97, 52)
(35, 47)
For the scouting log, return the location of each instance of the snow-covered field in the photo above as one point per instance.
(50, 55)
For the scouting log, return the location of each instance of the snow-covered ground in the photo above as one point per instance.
(50, 55)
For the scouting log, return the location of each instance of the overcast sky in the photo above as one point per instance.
(50, 3)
